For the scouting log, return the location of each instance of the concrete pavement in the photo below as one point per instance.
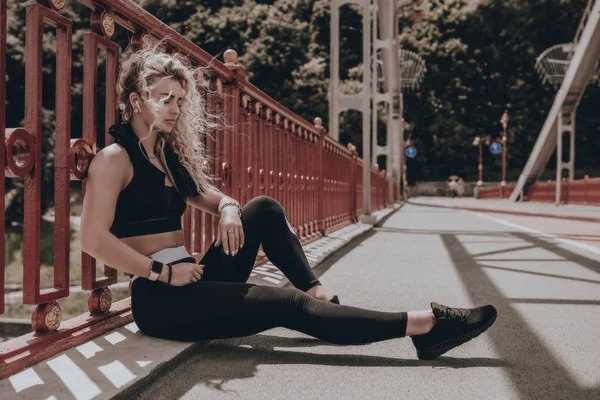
(543, 345)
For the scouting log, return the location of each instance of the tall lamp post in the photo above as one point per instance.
(416, 16)
(407, 144)
(479, 142)
(504, 122)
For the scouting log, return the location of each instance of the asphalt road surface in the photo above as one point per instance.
(543, 276)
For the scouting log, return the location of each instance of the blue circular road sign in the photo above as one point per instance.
(411, 152)
(496, 148)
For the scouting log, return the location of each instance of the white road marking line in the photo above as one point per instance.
(117, 373)
(115, 338)
(52, 398)
(573, 243)
(25, 379)
(74, 378)
(132, 327)
(89, 349)
(143, 363)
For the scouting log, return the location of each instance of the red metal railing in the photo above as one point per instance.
(580, 191)
(264, 149)
(496, 192)
(2, 138)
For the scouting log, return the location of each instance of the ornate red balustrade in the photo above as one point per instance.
(579, 191)
(496, 192)
(264, 149)
(541, 191)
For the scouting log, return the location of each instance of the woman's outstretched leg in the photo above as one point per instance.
(211, 310)
(229, 309)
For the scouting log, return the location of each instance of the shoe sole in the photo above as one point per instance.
(456, 341)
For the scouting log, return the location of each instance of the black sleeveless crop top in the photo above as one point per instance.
(146, 205)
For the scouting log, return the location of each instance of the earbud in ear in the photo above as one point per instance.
(137, 103)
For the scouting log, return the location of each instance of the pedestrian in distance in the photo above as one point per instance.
(460, 187)
(136, 192)
(452, 187)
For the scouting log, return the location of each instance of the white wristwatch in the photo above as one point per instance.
(155, 270)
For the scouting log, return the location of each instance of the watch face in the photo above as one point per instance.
(157, 267)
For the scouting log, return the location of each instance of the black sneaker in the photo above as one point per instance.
(335, 300)
(453, 327)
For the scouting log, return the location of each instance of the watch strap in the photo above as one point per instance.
(153, 276)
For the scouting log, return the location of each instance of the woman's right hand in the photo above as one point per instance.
(185, 273)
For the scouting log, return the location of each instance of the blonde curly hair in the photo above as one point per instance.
(138, 73)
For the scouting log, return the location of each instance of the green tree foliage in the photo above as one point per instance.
(479, 64)
(480, 61)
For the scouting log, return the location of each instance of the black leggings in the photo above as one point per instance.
(223, 305)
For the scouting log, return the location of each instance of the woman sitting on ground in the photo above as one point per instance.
(137, 191)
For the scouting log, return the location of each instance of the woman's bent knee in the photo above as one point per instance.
(264, 203)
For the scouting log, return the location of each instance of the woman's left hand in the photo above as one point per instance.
(230, 231)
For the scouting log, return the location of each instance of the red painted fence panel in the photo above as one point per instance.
(496, 192)
(584, 191)
(2, 140)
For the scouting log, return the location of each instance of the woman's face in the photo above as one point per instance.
(164, 106)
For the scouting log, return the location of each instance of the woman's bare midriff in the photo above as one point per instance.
(150, 244)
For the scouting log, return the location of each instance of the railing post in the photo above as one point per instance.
(586, 181)
(353, 163)
(321, 176)
(2, 140)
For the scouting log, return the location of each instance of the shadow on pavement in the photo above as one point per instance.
(240, 358)
(534, 370)
(520, 271)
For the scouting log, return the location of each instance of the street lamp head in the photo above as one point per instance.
(477, 141)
